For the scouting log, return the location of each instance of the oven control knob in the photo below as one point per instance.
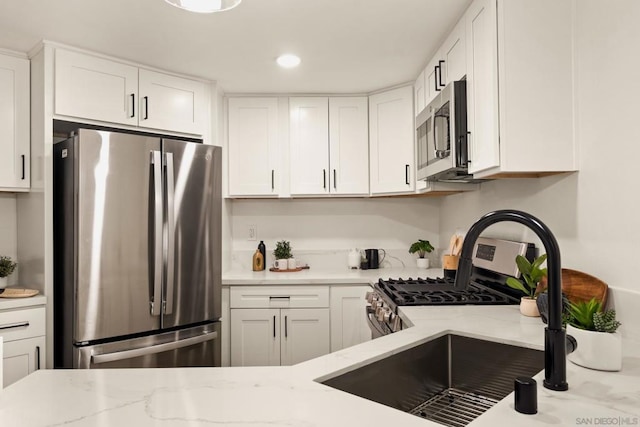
(369, 296)
(388, 316)
(382, 313)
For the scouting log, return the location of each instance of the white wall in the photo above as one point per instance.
(594, 212)
(8, 230)
(332, 226)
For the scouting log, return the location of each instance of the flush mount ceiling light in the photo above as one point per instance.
(288, 61)
(204, 6)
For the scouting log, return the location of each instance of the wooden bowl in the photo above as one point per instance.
(580, 286)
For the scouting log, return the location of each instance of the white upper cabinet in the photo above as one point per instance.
(309, 143)
(14, 123)
(254, 166)
(447, 65)
(391, 136)
(482, 85)
(520, 88)
(172, 103)
(349, 145)
(329, 146)
(453, 53)
(96, 88)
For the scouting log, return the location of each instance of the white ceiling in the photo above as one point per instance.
(346, 46)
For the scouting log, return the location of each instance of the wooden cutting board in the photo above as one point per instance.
(579, 286)
(17, 293)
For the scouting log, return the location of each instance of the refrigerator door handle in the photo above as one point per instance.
(130, 354)
(155, 303)
(171, 232)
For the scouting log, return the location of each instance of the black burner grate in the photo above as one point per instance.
(439, 291)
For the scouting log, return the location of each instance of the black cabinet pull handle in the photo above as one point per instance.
(272, 180)
(146, 107)
(286, 333)
(440, 62)
(324, 179)
(37, 357)
(274, 326)
(23, 165)
(406, 174)
(335, 185)
(133, 105)
(435, 77)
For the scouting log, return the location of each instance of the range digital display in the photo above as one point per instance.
(486, 252)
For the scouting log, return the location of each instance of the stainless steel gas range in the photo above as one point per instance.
(493, 261)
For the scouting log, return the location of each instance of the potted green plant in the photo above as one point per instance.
(599, 345)
(532, 274)
(7, 266)
(282, 254)
(422, 248)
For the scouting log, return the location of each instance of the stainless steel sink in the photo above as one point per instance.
(450, 380)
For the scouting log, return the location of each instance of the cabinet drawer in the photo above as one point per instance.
(279, 297)
(21, 324)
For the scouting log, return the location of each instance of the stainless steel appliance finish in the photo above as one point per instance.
(499, 255)
(198, 346)
(493, 261)
(137, 242)
(458, 368)
(441, 136)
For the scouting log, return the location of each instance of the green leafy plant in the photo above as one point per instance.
(7, 266)
(589, 315)
(531, 274)
(282, 250)
(422, 247)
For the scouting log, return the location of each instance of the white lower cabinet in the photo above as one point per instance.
(23, 334)
(348, 321)
(21, 358)
(279, 325)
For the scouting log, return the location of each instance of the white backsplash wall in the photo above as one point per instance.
(593, 213)
(8, 230)
(321, 231)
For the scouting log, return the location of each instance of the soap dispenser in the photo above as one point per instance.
(258, 261)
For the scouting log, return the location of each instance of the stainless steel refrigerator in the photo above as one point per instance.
(137, 242)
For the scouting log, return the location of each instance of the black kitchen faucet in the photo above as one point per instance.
(556, 342)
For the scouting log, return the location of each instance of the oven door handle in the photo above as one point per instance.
(373, 325)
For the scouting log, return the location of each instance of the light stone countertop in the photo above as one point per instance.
(11, 303)
(327, 277)
(291, 396)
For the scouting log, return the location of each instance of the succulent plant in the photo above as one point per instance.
(605, 321)
(589, 315)
(7, 266)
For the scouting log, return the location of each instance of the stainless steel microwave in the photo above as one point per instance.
(441, 136)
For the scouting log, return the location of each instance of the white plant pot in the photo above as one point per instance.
(528, 307)
(3, 282)
(422, 263)
(596, 350)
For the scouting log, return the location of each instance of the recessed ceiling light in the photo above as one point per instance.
(204, 6)
(288, 61)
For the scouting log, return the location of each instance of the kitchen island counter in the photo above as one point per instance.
(290, 396)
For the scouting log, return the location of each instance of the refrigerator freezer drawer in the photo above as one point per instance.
(199, 346)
